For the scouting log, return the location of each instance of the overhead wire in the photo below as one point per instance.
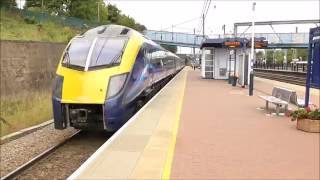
(205, 15)
(203, 11)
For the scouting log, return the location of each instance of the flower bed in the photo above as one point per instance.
(308, 119)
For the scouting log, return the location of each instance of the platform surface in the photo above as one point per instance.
(223, 134)
(206, 129)
(141, 148)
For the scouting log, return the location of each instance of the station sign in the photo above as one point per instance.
(258, 44)
(232, 44)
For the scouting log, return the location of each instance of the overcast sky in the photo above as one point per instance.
(156, 15)
(162, 14)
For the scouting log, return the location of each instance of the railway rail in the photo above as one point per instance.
(44, 154)
(62, 159)
(297, 78)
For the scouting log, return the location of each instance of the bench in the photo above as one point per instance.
(280, 97)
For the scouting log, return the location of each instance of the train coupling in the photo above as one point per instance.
(78, 115)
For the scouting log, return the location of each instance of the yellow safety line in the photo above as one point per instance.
(168, 165)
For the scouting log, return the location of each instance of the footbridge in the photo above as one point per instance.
(275, 40)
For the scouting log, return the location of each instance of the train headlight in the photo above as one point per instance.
(116, 83)
(57, 87)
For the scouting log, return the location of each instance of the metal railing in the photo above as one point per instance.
(186, 38)
(174, 37)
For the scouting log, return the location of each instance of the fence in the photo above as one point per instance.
(295, 67)
(41, 17)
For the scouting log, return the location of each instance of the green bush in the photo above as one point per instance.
(30, 20)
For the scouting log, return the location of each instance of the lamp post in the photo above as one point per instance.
(98, 15)
(250, 68)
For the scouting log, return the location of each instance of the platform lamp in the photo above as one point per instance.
(250, 68)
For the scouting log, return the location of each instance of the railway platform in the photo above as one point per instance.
(206, 129)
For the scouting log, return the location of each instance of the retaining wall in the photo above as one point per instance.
(28, 66)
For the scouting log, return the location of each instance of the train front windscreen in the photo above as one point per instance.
(85, 53)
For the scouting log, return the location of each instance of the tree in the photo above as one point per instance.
(116, 17)
(171, 48)
(8, 3)
(269, 56)
(54, 7)
(127, 21)
(34, 3)
(290, 55)
(84, 9)
(104, 14)
(140, 27)
(303, 53)
(279, 56)
(57, 7)
(259, 56)
(113, 13)
(296, 53)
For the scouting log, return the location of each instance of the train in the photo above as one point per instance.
(104, 76)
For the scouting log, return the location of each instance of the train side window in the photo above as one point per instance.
(156, 58)
(146, 55)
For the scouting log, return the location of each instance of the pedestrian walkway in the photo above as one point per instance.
(205, 129)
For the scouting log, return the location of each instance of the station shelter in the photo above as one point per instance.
(224, 58)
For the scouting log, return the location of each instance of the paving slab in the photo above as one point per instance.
(223, 134)
(140, 149)
(266, 85)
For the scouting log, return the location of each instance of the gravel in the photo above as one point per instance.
(19, 151)
(67, 158)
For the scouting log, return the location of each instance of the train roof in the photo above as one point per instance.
(110, 30)
(113, 30)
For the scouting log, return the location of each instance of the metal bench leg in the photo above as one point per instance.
(286, 108)
(277, 109)
(267, 105)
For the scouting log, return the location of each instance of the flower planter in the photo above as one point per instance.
(309, 125)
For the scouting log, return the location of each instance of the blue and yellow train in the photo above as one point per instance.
(104, 74)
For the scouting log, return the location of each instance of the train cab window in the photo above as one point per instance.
(107, 51)
(77, 52)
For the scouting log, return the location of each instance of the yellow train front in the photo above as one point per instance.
(104, 74)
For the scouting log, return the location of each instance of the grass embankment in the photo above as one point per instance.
(24, 110)
(15, 27)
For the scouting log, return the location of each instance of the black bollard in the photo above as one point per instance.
(234, 80)
(251, 84)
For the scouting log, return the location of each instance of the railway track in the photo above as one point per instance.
(287, 77)
(62, 159)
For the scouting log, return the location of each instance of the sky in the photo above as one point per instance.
(162, 15)
(157, 15)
